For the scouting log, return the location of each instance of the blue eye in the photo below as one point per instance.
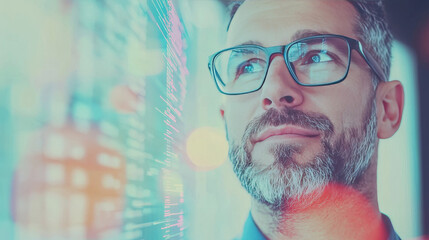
(315, 58)
(251, 66)
(318, 57)
(248, 68)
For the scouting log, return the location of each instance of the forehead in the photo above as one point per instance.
(276, 22)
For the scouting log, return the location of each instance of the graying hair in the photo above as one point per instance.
(371, 27)
(374, 33)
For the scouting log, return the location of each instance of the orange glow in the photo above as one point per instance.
(339, 212)
(207, 148)
(62, 189)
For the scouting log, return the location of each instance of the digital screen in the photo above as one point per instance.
(110, 125)
(95, 124)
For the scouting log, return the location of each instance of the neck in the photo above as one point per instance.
(341, 212)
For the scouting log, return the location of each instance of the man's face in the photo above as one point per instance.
(285, 139)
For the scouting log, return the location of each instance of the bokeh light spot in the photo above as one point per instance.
(207, 148)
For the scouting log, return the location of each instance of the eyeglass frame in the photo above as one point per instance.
(353, 44)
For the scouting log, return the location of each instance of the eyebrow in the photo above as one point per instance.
(306, 33)
(298, 35)
(251, 42)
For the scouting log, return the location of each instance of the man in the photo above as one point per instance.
(307, 99)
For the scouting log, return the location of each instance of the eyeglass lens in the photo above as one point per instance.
(314, 61)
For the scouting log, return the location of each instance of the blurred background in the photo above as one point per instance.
(110, 124)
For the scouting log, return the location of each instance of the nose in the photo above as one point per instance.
(280, 89)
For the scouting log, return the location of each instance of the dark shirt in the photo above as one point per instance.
(252, 232)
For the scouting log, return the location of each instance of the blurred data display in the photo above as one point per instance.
(91, 110)
(110, 126)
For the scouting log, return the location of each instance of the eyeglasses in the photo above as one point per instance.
(312, 61)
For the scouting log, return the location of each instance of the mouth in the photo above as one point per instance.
(284, 132)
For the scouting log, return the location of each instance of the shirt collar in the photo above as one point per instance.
(252, 232)
(389, 226)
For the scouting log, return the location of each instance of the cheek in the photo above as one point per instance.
(238, 114)
(236, 122)
(354, 111)
(343, 107)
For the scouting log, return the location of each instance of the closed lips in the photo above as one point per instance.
(292, 131)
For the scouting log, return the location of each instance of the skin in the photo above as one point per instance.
(344, 103)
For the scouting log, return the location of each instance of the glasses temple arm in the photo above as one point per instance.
(372, 63)
(213, 72)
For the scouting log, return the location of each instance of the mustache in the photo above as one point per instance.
(274, 117)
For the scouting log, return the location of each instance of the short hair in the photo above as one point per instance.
(372, 29)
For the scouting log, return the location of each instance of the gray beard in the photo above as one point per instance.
(285, 182)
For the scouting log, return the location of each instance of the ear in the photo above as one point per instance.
(390, 104)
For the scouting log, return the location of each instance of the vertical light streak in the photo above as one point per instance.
(176, 71)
